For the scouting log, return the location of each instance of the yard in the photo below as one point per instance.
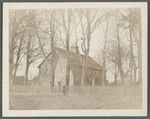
(108, 98)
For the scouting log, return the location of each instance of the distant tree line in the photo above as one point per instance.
(121, 52)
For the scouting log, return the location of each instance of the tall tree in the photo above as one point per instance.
(118, 51)
(33, 53)
(136, 31)
(66, 21)
(16, 31)
(19, 53)
(102, 56)
(52, 18)
(26, 45)
(50, 30)
(104, 52)
(131, 45)
(89, 20)
(133, 18)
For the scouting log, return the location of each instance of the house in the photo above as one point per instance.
(59, 63)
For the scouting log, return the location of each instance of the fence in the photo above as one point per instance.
(79, 90)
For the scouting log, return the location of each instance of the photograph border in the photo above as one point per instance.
(54, 113)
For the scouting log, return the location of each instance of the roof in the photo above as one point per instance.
(75, 59)
(44, 60)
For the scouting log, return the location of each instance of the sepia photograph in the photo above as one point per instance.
(75, 59)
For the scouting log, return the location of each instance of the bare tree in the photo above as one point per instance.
(33, 53)
(66, 23)
(118, 51)
(16, 35)
(136, 31)
(102, 56)
(19, 53)
(26, 45)
(115, 72)
(135, 68)
(104, 52)
(52, 18)
(91, 20)
(50, 30)
(133, 18)
(131, 45)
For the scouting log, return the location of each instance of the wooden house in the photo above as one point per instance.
(58, 77)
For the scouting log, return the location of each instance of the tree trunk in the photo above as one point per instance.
(122, 74)
(135, 75)
(68, 64)
(82, 81)
(121, 71)
(18, 57)
(115, 77)
(53, 77)
(11, 67)
(10, 76)
(104, 73)
(26, 75)
(140, 58)
(119, 54)
(27, 64)
(67, 73)
(115, 74)
(105, 77)
(51, 81)
(15, 71)
(83, 74)
(88, 47)
(53, 64)
(84, 69)
(131, 48)
(52, 26)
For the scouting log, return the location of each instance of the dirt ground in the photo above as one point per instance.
(43, 101)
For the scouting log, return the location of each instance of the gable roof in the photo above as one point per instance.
(75, 59)
(44, 60)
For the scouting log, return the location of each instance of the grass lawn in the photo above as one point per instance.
(45, 101)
